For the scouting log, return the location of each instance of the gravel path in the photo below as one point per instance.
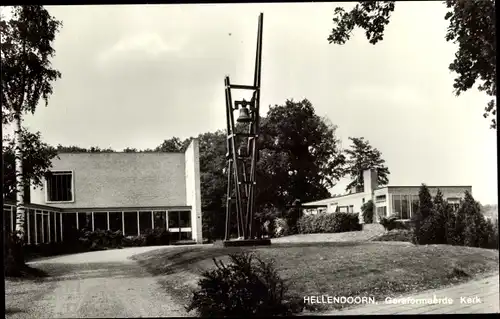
(91, 285)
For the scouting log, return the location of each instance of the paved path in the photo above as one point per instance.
(477, 296)
(92, 285)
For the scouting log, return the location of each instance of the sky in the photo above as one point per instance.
(133, 76)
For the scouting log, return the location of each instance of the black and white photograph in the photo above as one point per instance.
(249, 159)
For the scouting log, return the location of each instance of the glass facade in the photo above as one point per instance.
(396, 205)
(100, 220)
(382, 211)
(115, 221)
(405, 207)
(414, 204)
(145, 221)
(159, 219)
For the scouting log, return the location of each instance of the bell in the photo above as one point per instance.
(244, 116)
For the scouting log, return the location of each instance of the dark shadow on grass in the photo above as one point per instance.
(12, 311)
(182, 260)
(27, 272)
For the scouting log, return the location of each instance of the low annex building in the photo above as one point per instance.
(397, 201)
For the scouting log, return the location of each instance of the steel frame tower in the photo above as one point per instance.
(241, 162)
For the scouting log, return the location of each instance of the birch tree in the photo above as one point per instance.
(27, 37)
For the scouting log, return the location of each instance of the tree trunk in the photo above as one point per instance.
(18, 152)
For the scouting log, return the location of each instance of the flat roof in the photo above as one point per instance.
(428, 186)
(321, 201)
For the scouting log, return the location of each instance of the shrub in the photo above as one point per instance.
(246, 286)
(13, 256)
(368, 209)
(101, 239)
(293, 216)
(392, 222)
(329, 223)
(134, 241)
(405, 235)
(156, 237)
(269, 228)
(281, 227)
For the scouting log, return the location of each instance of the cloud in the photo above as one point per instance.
(150, 45)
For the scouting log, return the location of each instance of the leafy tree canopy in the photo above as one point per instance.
(26, 50)
(471, 26)
(37, 157)
(360, 157)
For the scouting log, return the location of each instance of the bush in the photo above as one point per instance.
(269, 228)
(281, 227)
(392, 222)
(246, 286)
(368, 210)
(405, 235)
(13, 256)
(101, 239)
(157, 237)
(329, 223)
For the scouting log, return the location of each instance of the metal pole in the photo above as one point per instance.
(36, 230)
(43, 227)
(48, 225)
(61, 225)
(138, 225)
(123, 223)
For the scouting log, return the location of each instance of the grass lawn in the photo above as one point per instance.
(372, 269)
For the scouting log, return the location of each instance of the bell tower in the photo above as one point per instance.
(242, 151)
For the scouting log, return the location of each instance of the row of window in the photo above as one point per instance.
(128, 222)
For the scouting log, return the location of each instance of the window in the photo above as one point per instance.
(178, 221)
(380, 198)
(363, 200)
(343, 209)
(145, 222)
(159, 217)
(115, 221)
(351, 209)
(59, 186)
(382, 211)
(405, 207)
(454, 202)
(414, 204)
(396, 205)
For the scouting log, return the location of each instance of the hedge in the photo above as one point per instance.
(329, 223)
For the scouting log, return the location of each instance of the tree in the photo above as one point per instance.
(78, 149)
(362, 156)
(473, 231)
(130, 150)
(472, 26)
(213, 182)
(434, 226)
(425, 207)
(27, 77)
(71, 149)
(37, 157)
(299, 158)
(368, 209)
(173, 144)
